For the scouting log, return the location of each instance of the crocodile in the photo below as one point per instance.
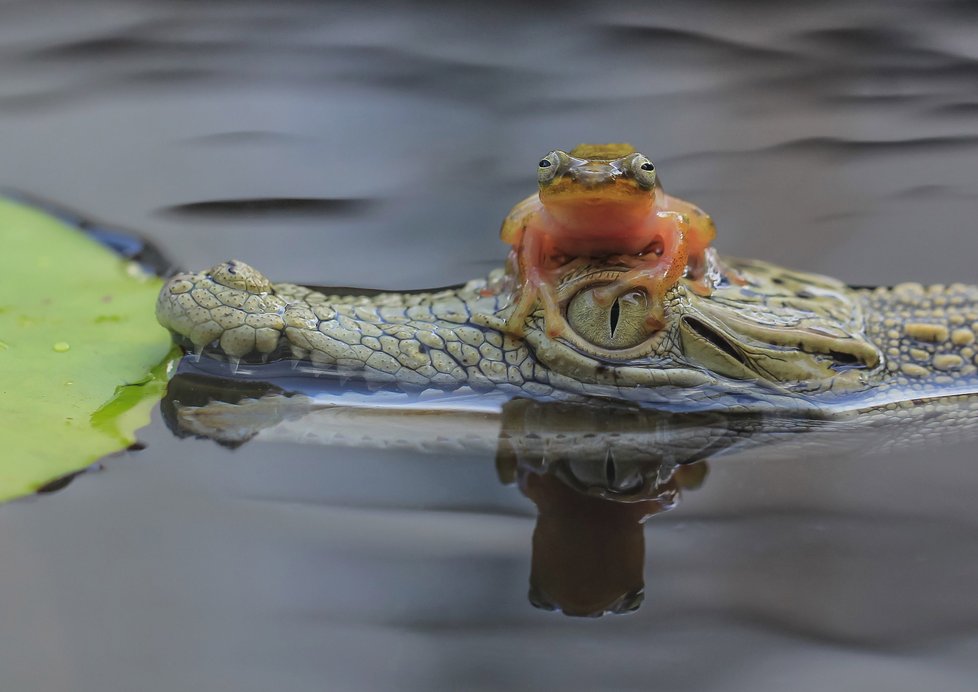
(779, 341)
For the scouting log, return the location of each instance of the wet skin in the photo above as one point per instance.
(604, 201)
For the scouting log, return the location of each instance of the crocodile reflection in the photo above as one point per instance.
(595, 469)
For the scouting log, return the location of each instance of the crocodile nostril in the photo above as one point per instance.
(237, 274)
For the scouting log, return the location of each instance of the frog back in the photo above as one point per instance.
(602, 152)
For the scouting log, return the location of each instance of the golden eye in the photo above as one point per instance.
(620, 325)
(548, 167)
(644, 171)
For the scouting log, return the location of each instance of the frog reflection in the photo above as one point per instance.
(593, 499)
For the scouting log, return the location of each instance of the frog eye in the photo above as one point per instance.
(644, 171)
(548, 167)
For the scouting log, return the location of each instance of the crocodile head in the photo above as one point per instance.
(782, 334)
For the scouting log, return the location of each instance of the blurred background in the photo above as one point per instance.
(379, 145)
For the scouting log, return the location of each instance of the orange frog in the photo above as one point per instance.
(604, 200)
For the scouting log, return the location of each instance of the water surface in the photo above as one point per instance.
(379, 146)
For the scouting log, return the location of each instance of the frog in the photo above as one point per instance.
(604, 200)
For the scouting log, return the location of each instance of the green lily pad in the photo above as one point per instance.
(82, 359)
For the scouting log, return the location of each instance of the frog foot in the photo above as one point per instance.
(707, 271)
(536, 287)
(733, 276)
(648, 280)
(701, 286)
(654, 274)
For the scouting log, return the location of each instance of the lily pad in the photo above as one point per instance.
(82, 359)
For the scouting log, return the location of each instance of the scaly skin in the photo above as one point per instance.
(786, 341)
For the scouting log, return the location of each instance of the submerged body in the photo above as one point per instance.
(603, 201)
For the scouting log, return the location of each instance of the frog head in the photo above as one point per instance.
(608, 187)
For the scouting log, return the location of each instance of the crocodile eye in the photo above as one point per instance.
(620, 325)
(548, 167)
(644, 171)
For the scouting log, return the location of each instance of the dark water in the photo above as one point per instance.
(378, 145)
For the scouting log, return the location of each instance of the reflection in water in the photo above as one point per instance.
(592, 499)
(589, 550)
(595, 471)
(837, 137)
